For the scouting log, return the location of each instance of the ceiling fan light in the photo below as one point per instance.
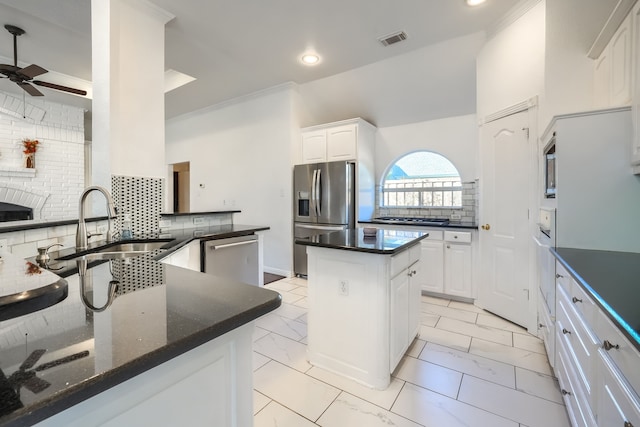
(474, 2)
(310, 59)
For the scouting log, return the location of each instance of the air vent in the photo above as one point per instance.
(393, 38)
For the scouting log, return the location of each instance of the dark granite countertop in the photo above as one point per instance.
(613, 280)
(385, 242)
(418, 226)
(173, 309)
(198, 213)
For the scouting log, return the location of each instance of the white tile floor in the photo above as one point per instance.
(467, 368)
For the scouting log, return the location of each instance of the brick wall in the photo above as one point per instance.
(59, 173)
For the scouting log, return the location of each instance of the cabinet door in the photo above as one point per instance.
(314, 146)
(431, 277)
(601, 79)
(341, 142)
(457, 270)
(415, 273)
(620, 53)
(399, 318)
(635, 156)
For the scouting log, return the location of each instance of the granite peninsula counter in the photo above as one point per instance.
(173, 347)
(364, 301)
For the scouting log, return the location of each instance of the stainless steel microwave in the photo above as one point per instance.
(550, 170)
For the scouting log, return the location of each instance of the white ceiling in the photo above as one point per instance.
(237, 47)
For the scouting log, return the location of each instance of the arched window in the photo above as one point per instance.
(422, 179)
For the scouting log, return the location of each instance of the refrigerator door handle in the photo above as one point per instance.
(318, 193)
(313, 192)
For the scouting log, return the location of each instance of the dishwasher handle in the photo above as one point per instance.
(228, 245)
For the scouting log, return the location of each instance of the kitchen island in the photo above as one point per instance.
(364, 301)
(174, 347)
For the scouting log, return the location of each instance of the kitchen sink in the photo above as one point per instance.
(119, 250)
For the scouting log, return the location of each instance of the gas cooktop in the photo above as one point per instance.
(409, 220)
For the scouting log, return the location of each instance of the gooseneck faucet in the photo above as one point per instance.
(81, 235)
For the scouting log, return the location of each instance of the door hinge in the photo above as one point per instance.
(527, 291)
(526, 131)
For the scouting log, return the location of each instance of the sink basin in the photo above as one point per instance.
(118, 250)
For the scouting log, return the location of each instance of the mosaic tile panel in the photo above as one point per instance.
(142, 198)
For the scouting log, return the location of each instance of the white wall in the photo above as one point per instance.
(456, 138)
(59, 173)
(510, 66)
(241, 152)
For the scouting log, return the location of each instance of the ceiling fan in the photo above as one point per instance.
(23, 77)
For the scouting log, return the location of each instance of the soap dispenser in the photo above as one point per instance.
(126, 227)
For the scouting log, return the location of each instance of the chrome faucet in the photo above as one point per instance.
(81, 235)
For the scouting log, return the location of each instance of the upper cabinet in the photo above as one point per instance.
(635, 154)
(616, 72)
(345, 140)
(612, 69)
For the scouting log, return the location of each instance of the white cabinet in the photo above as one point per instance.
(432, 258)
(612, 69)
(457, 269)
(364, 311)
(447, 263)
(345, 140)
(596, 365)
(405, 311)
(635, 154)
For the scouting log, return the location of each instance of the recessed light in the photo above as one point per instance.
(475, 2)
(310, 59)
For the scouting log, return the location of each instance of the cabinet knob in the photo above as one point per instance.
(486, 227)
(627, 424)
(575, 300)
(608, 346)
(565, 392)
(559, 276)
(566, 331)
(540, 325)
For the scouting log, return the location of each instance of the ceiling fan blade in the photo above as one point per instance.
(35, 384)
(32, 71)
(32, 359)
(30, 89)
(62, 360)
(6, 68)
(59, 87)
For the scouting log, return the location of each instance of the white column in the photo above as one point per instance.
(128, 89)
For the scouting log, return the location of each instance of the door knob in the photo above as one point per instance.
(485, 227)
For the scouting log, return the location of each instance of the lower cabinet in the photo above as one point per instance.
(596, 366)
(447, 263)
(405, 312)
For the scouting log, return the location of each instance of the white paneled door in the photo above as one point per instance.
(504, 288)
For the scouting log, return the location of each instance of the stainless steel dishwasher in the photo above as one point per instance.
(234, 258)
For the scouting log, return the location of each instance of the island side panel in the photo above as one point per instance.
(209, 385)
(348, 320)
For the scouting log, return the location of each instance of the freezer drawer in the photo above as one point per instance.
(235, 258)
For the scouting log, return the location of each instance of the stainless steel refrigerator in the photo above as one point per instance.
(323, 201)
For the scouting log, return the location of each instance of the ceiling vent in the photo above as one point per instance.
(393, 38)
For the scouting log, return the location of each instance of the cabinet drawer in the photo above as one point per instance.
(434, 234)
(457, 236)
(617, 403)
(399, 262)
(625, 356)
(546, 328)
(583, 303)
(579, 343)
(577, 407)
(563, 279)
(414, 253)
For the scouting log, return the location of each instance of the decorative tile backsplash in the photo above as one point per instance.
(468, 211)
(140, 197)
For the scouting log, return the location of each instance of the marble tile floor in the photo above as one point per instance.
(467, 368)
